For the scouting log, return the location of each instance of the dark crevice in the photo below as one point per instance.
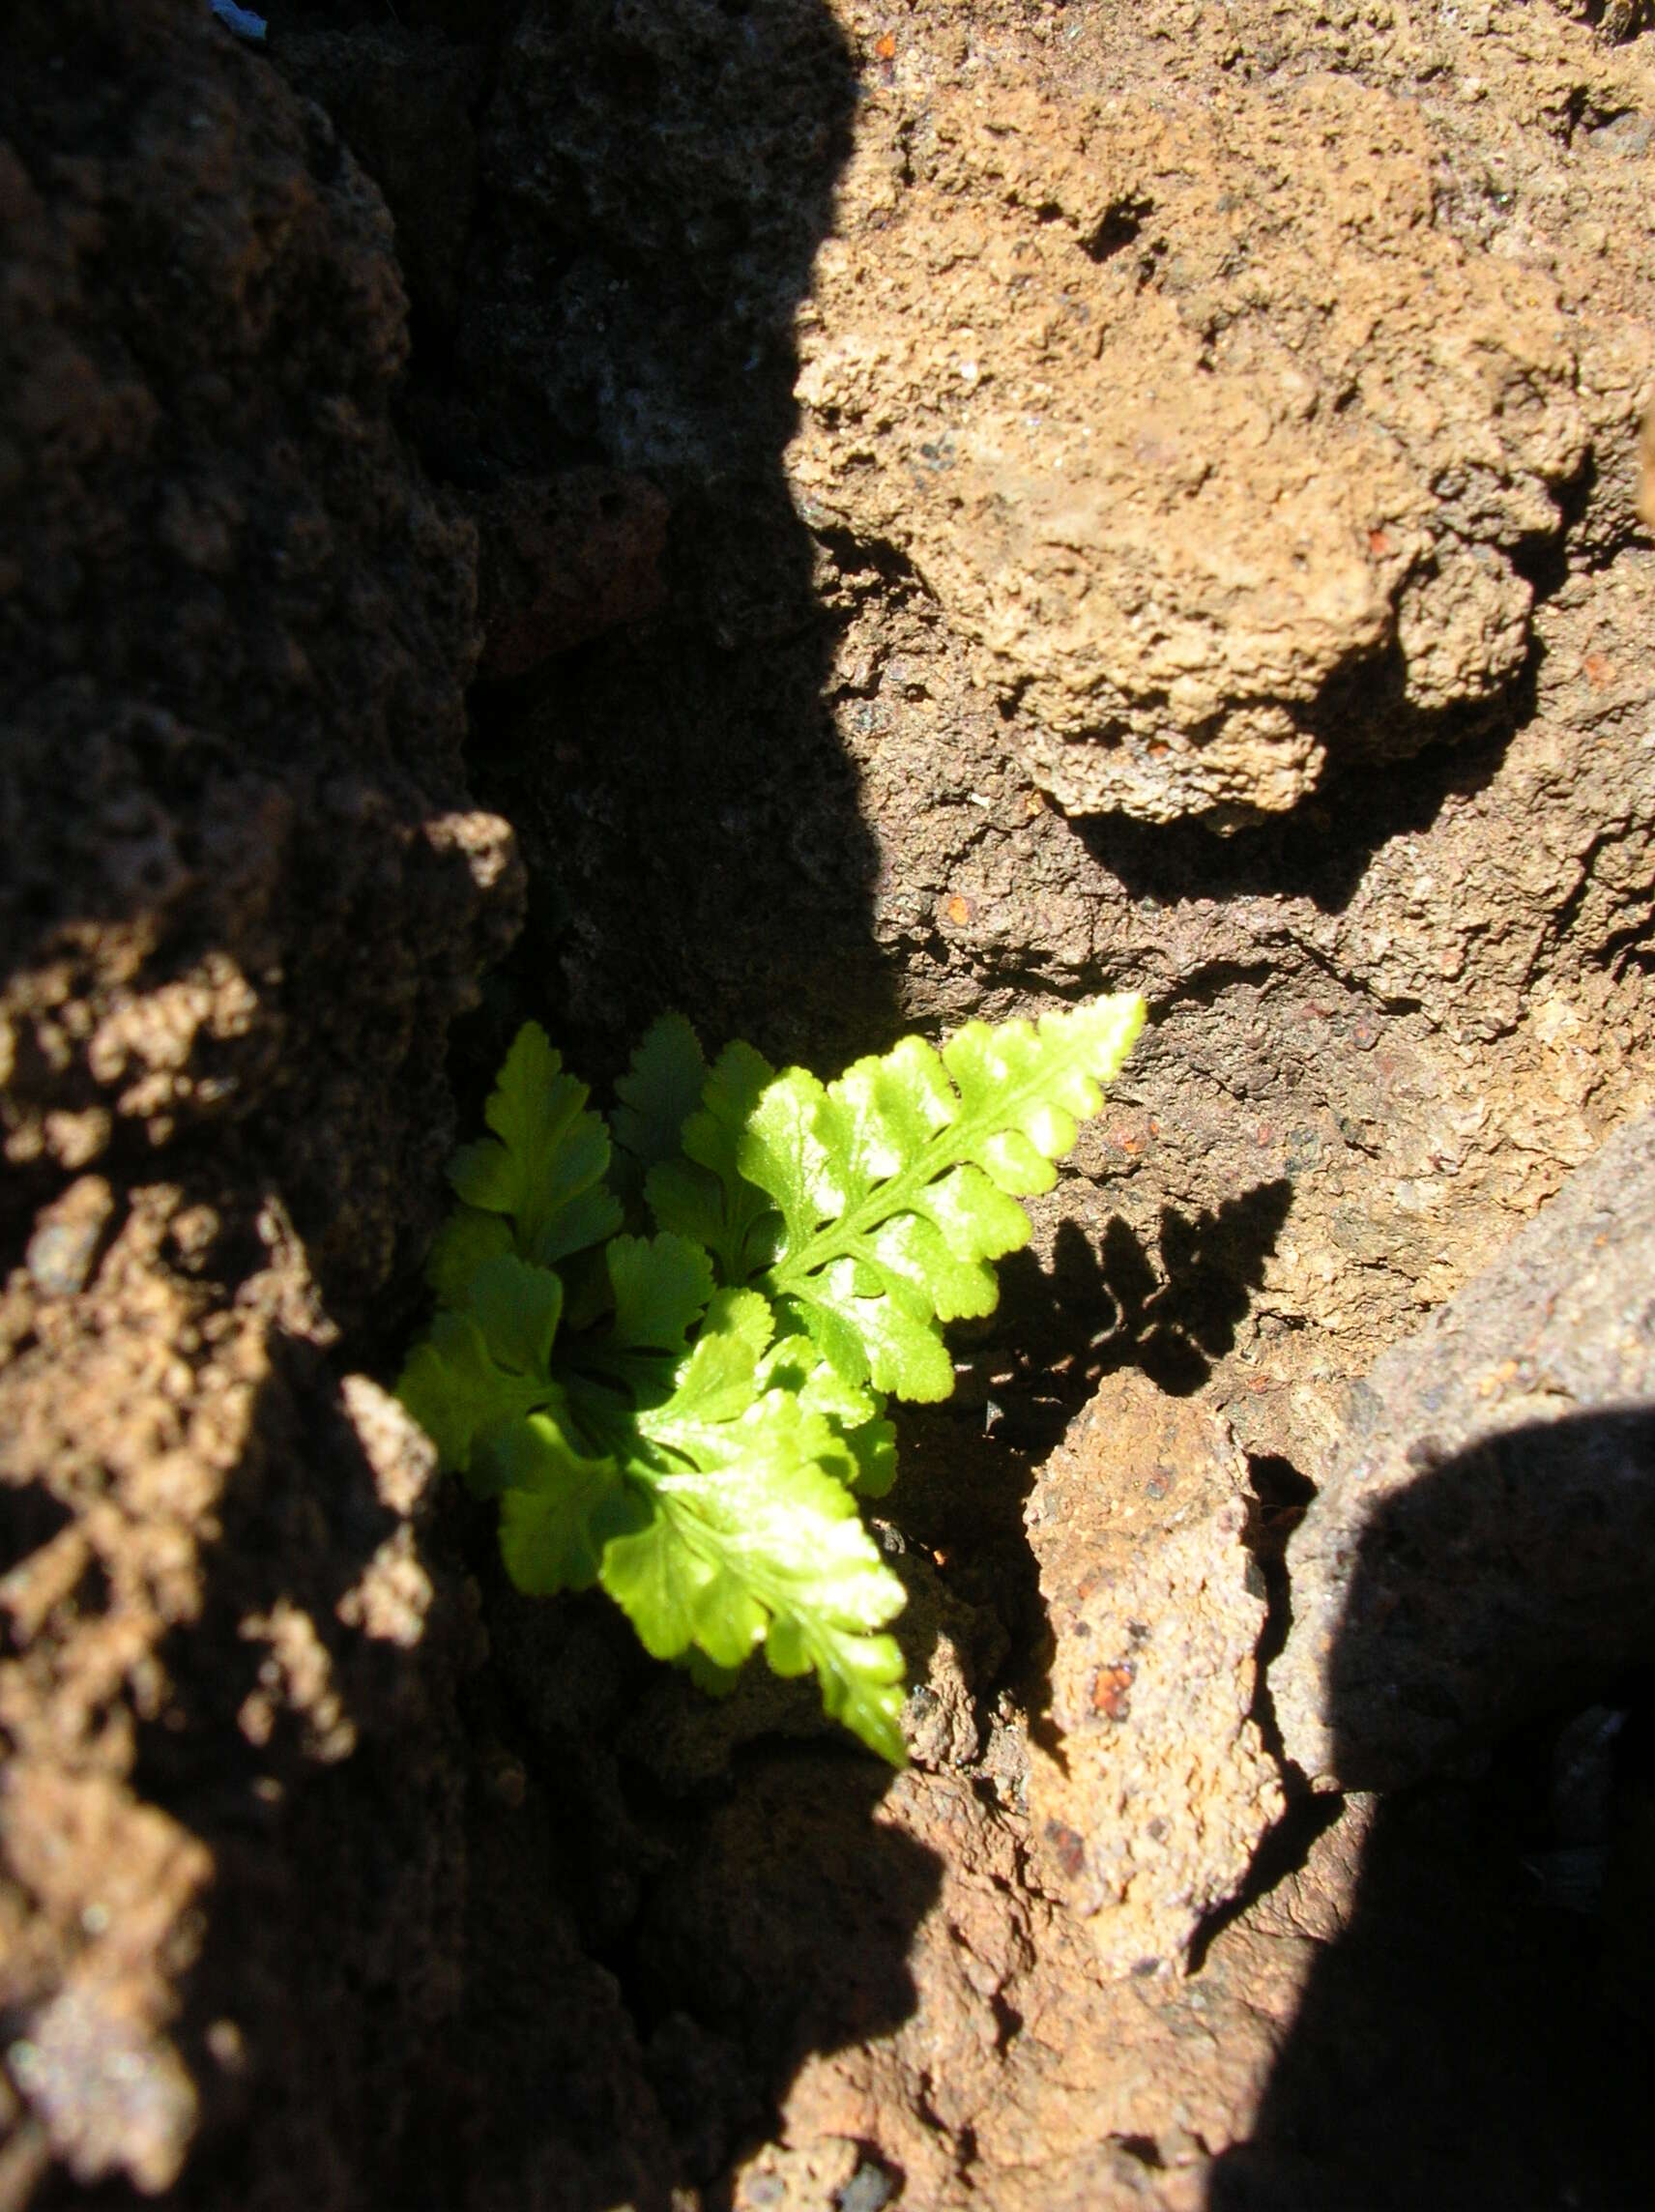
(1281, 1494)
(30, 1517)
(1542, 558)
(855, 556)
(1119, 225)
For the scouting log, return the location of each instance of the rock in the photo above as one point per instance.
(563, 560)
(659, 178)
(234, 651)
(917, 2005)
(1398, 1012)
(1482, 1539)
(405, 99)
(1209, 511)
(244, 893)
(1152, 1789)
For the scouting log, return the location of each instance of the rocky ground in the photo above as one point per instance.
(836, 518)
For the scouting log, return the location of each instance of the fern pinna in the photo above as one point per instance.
(664, 1342)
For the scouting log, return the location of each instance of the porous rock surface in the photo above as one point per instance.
(243, 891)
(1149, 1787)
(1387, 1022)
(773, 769)
(1484, 1531)
(920, 2008)
(1189, 407)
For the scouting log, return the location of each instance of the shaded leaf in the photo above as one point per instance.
(545, 1161)
(559, 1510)
(460, 1396)
(661, 1090)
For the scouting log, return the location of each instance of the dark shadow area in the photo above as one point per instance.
(967, 1468)
(30, 1517)
(1481, 2032)
(607, 218)
(668, 1909)
(455, 1916)
(604, 355)
(1507, 1575)
(317, 1763)
(1320, 851)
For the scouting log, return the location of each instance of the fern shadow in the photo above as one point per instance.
(1101, 1306)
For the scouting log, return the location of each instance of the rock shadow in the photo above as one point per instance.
(967, 1468)
(606, 384)
(603, 376)
(1480, 2031)
(1321, 850)
(307, 1739)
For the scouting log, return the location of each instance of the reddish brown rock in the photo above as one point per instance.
(245, 890)
(1149, 1786)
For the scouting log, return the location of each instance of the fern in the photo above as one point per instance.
(664, 1342)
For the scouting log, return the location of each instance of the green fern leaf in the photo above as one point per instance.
(855, 1414)
(464, 1242)
(705, 1195)
(559, 1509)
(661, 1090)
(897, 1184)
(661, 1285)
(648, 1431)
(715, 1522)
(463, 1398)
(543, 1167)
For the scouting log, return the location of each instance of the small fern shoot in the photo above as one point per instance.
(664, 1340)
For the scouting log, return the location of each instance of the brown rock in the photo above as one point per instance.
(1153, 1788)
(920, 2008)
(1176, 477)
(243, 892)
(1482, 1537)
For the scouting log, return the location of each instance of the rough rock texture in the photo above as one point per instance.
(243, 891)
(1388, 1022)
(1398, 1016)
(565, 561)
(1187, 411)
(1391, 2025)
(406, 101)
(1149, 1787)
(776, 773)
(1484, 1533)
(235, 632)
(919, 2009)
